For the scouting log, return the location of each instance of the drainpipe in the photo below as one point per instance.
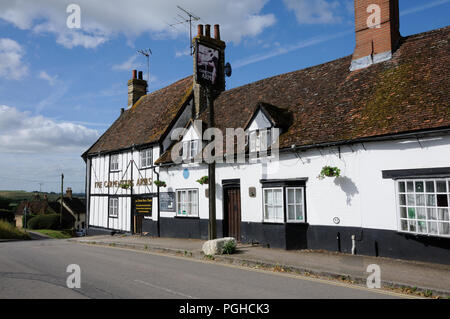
(353, 245)
(157, 222)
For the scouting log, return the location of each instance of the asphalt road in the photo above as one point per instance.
(37, 269)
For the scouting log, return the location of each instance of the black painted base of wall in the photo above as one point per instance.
(181, 227)
(371, 242)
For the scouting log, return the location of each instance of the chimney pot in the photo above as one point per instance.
(140, 75)
(200, 29)
(134, 73)
(216, 32)
(208, 30)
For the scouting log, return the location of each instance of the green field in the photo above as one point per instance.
(18, 196)
(58, 234)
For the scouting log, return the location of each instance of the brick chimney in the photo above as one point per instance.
(137, 87)
(69, 192)
(377, 27)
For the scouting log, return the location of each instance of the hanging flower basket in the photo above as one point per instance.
(160, 183)
(328, 171)
(202, 181)
(125, 185)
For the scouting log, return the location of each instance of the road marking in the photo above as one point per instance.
(267, 272)
(165, 289)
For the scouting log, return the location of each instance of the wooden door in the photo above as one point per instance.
(232, 210)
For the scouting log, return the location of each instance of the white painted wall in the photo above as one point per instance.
(129, 169)
(360, 198)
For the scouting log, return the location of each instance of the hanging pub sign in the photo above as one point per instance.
(143, 206)
(209, 65)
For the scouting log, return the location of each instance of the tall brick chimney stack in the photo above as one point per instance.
(137, 87)
(377, 27)
(69, 192)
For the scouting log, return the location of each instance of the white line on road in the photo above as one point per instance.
(165, 289)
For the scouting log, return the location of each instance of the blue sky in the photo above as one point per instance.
(61, 88)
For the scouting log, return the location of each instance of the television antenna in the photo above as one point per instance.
(146, 53)
(187, 17)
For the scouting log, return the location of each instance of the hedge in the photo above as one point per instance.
(50, 221)
(6, 215)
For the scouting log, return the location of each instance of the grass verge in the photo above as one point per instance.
(57, 234)
(8, 231)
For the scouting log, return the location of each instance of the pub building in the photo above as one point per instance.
(374, 125)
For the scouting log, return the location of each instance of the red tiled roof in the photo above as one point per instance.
(326, 103)
(147, 120)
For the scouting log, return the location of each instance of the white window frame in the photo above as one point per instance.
(408, 205)
(190, 149)
(191, 207)
(277, 219)
(255, 138)
(295, 204)
(146, 157)
(114, 164)
(113, 207)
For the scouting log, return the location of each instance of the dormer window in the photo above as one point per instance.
(260, 140)
(190, 149)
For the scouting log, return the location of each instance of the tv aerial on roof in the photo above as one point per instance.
(187, 17)
(146, 53)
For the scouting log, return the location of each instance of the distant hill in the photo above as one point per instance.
(18, 196)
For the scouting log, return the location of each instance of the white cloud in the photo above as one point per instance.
(11, 63)
(314, 12)
(284, 49)
(22, 133)
(127, 65)
(101, 20)
(50, 79)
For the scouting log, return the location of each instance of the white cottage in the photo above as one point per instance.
(381, 117)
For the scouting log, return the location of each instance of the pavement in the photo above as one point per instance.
(395, 273)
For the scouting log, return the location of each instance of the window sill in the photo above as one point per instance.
(187, 217)
(401, 232)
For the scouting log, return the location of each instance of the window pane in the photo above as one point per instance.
(441, 186)
(279, 213)
(402, 199)
(442, 200)
(412, 225)
(268, 197)
(410, 187)
(411, 213)
(431, 200)
(291, 196)
(430, 187)
(401, 187)
(410, 200)
(299, 210)
(432, 228)
(420, 200)
(299, 196)
(443, 214)
(422, 227)
(291, 212)
(403, 212)
(431, 212)
(404, 224)
(421, 213)
(444, 229)
(278, 197)
(419, 187)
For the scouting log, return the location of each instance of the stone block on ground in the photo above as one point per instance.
(215, 246)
